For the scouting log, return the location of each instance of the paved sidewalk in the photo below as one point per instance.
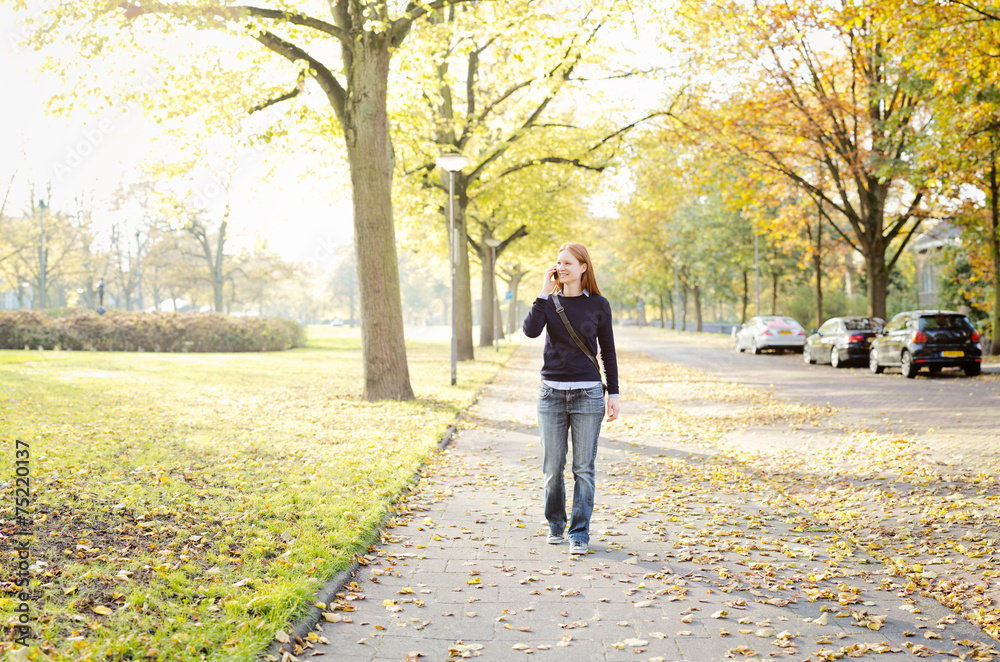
(691, 559)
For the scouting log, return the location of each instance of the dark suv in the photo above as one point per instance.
(931, 339)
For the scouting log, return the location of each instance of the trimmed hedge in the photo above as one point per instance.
(120, 331)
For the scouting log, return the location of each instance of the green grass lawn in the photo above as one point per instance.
(188, 506)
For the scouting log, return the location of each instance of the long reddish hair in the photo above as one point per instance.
(588, 280)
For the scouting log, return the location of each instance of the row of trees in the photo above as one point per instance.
(55, 260)
(152, 255)
(820, 126)
(828, 131)
(505, 85)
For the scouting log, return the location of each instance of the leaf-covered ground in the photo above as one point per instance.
(187, 507)
(701, 549)
(936, 525)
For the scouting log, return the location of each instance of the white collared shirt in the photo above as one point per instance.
(546, 296)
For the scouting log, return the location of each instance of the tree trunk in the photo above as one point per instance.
(874, 247)
(878, 282)
(774, 292)
(995, 250)
(683, 305)
(217, 286)
(371, 159)
(746, 298)
(663, 312)
(499, 320)
(487, 295)
(673, 310)
(849, 275)
(817, 260)
(217, 267)
(463, 277)
(514, 277)
(697, 308)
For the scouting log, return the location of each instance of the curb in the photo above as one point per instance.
(328, 591)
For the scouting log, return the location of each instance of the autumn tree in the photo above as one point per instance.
(342, 284)
(257, 278)
(684, 223)
(352, 76)
(953, 44)
(504, 88)
(826, 97)
(45, 248)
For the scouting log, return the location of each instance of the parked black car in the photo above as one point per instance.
(842, 340)
(932, 339)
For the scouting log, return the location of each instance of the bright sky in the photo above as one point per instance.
(301, 220)
(302, 217)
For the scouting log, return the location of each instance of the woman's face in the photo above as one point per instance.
(568, 268)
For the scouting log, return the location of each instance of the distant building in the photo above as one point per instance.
(928, 247)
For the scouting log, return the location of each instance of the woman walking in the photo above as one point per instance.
(570, 308)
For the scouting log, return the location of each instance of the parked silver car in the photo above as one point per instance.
(776, 332)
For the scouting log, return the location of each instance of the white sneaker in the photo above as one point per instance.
(554, 539)
(576, 547)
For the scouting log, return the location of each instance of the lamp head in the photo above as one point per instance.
(452, 162)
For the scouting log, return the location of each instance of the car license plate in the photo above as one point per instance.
(952, 354)
(785, 333)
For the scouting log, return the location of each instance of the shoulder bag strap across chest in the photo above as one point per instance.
(572, 334)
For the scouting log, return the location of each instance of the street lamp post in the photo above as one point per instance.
(756, 271)
(138, 269)
(41, 255)
(453, 163)
(100, 297)
(493, 243)
(675, 308)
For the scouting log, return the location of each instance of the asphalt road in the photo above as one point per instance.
(955, 416)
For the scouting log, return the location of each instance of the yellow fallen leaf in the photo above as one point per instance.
(102, 610)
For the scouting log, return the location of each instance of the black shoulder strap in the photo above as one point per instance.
(572, 334)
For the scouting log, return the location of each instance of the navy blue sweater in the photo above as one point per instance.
(590, 317)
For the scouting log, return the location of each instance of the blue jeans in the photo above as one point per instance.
(579, 410)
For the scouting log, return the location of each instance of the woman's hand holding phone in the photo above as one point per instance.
(548, 282)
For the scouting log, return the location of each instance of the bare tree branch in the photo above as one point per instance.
(334, 91)
(291, 94)
(296, 18)
(236, 13)
(551, 159)
(974, 9)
